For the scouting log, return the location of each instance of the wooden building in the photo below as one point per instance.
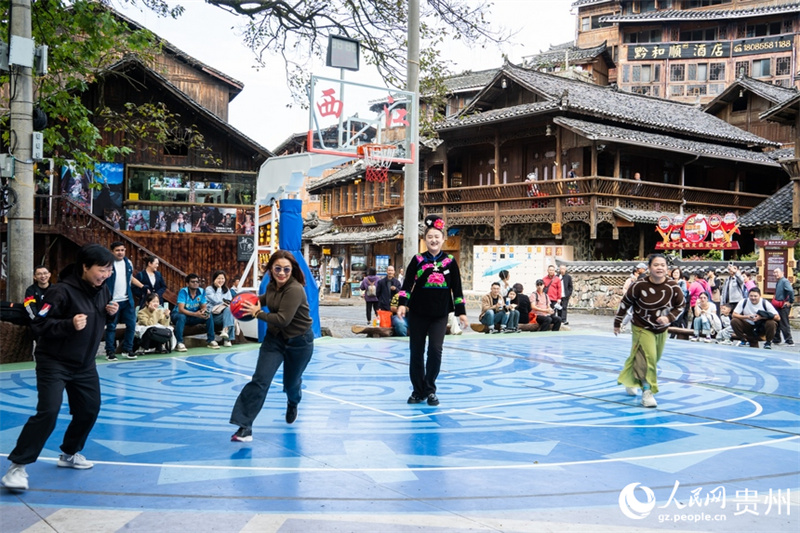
(191, 207)
(692, 50)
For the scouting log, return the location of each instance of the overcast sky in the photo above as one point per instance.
(211, 35)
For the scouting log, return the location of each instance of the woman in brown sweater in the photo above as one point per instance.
(289, 341)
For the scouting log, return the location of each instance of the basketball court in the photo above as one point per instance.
(532, 434)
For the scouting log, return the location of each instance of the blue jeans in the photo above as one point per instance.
(128, 315)
(225, 320)
(513, 319)
(400, 326)
(492, 318)
(181, 321)
(294, 354)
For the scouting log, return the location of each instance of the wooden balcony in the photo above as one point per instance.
(589, 199)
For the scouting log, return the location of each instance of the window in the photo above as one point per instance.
(677, 72)
(707, 34)
(586, 24)
(716, 88)
(646, 73)
(646, 36)
(156, 185)
(676, 90)
(761, 68)
(717, 72)
(696, 90)
(705, 3)
(647, 5)
(761, 30)
(742, 68)
(783, 66)
(698, 72)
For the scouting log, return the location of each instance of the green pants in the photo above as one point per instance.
(640, 366)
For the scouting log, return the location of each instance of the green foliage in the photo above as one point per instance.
(84, 39)
(790, 234)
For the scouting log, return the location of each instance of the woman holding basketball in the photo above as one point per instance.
(289, 341)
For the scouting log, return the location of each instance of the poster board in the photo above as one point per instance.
(525, 264)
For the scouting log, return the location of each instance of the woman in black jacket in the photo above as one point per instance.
(431, 290)
(69, 326)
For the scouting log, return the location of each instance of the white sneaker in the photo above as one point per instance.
(224, 333)
(76, 461)
(227, 344)
(694, 339)
(16, 478)
(725, 342)
(648, 400)
(630, 391)
(708, 339)
(213, 345)
(180, 347)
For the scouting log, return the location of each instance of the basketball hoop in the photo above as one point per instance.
(377, 158)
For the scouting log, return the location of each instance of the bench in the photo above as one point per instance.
(681, 333)
(372, 331)
(191, 336)
(481, 328)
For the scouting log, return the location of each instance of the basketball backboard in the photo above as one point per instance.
(345, 114)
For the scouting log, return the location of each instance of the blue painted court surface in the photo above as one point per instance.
(532, 434)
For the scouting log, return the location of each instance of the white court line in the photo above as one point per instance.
(521, 466)
(473, 411)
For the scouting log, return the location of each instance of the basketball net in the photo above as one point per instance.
(377, 159)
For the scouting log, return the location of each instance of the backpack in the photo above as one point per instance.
(15, 313)
(156, 337)
(371, 290)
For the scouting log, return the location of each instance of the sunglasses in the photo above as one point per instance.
(285, 270)
(194, 281)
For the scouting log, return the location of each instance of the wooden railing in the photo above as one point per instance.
(82, 227)
(583, 193)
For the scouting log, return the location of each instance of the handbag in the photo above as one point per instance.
(217, 309)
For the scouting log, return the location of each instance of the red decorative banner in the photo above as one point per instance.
(692, 232)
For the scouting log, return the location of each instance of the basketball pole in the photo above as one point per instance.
(411, 179)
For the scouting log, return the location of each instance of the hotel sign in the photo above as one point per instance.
(710, 49)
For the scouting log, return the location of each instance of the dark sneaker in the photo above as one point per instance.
(128, 355)
(432, 399)
(789, 343)
(414, 399)
(291, 413)
(767, 345)
(242, 435)
(111, 357)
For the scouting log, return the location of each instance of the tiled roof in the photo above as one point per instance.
(714, 14)
(777, 209)
(581, 3)
(361, 235)
(322, 227)
(639, 215)
(343, 175)
(784, 112)
(469, 80)
(774, 94)
(604, 132)
(556, 56)
(604, 102)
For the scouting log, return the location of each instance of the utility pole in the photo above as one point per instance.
(20, 218)
(411, 197)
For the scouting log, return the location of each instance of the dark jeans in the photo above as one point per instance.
(549, 323)
(127, 313)
(181, 321)
(564, 305)
(294, 354)
(784, 327)
(371, 306)
(747, 332)
(83, 395)
(423, 374)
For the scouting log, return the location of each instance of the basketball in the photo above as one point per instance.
(236, 305)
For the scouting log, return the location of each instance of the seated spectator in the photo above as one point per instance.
(399, 324)
(218, 297)
(513, 312)
(523, 304)
(546, 317)
(706, 322)
(192, 310)
(34, 294)
(493, 310)
(152, 326)
(754, 317)
(724, 336)
(152, 281)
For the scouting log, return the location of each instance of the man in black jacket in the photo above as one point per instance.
(386, 289)
(566, 287)
(70, 324)
(34, 294)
